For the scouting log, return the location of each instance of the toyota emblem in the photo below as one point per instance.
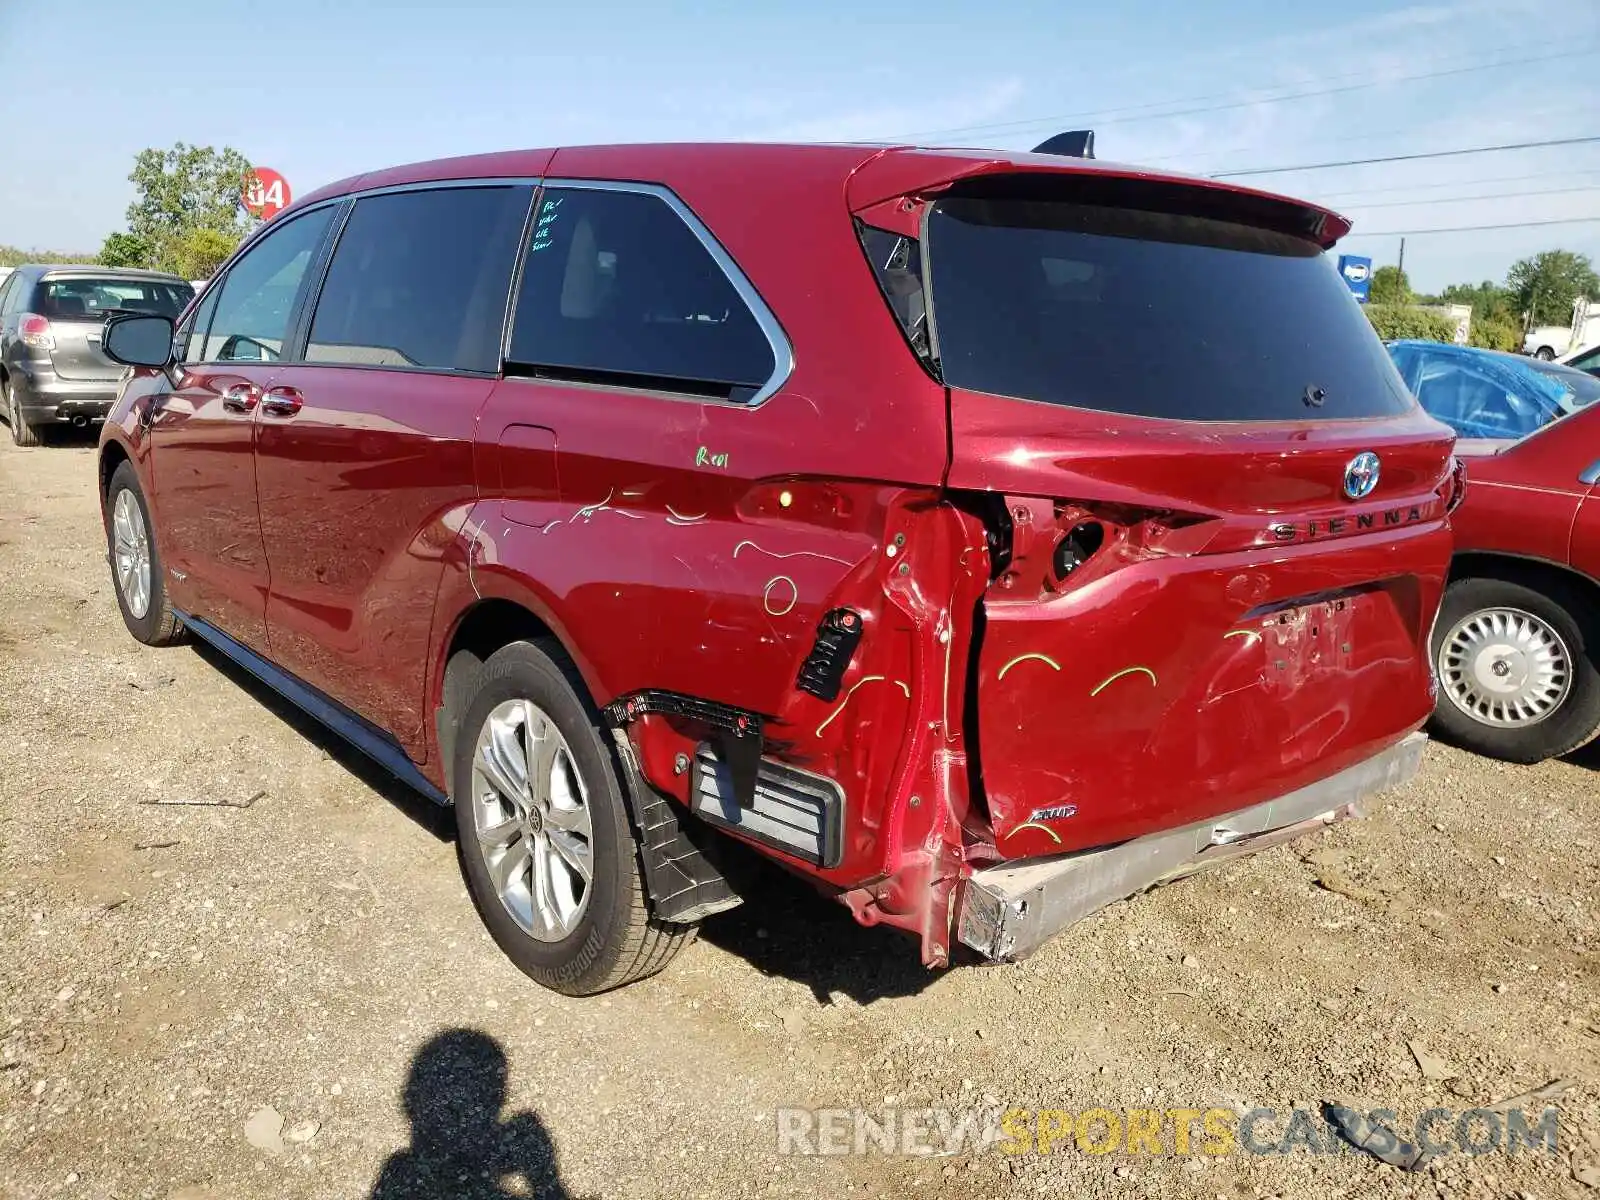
(1361, 475)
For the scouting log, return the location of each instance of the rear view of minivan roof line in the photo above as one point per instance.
(870, 174)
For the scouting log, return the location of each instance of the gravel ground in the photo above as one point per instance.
(292, 997)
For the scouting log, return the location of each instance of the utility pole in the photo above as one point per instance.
(1402, 267)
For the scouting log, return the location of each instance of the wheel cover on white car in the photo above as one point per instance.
(130, 551)
(1505, 667)
(530, 812)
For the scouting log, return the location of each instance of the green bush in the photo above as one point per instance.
(1491, 333)
(1394, 321)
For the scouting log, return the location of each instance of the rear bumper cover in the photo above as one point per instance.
(1008, 912)
(44, 396)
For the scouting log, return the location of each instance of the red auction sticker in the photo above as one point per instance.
(266, 193)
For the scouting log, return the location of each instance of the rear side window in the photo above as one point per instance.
(421, 279)
(618, 289)
(1148, 313)
(897, 265)
(257, 296)
(84, 298)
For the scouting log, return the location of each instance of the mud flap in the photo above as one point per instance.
(683, 883)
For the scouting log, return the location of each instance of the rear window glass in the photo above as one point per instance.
(1582, 389)
(87, 299)
(1148, 313)
(1485, 394)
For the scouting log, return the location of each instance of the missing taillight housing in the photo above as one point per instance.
(1077, 548)
(34, 330)
(1455, 486)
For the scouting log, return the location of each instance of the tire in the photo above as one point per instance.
(152, 622)
(1545, 353)
(1571, 720)
(585, 943)
(22, 433)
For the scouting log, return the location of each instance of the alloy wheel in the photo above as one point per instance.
(130, 548)
(530, 813)
(1505, 667)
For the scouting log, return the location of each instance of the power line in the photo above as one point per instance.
(1473, 228)
(1367, 136)
(1361, 162)
(1117, 116)
(1423, 187)
(1468, 199)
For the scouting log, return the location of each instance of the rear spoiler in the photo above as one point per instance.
(880, 190)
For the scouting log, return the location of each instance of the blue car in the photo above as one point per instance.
(1489, 395)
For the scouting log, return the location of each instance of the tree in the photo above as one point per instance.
(1393, 321)
(1390, 286)
(124, 250)
(15, 256)
(1495, 333)
(182, 190)
(1496, 324)
(200, 252)
(1546, 285)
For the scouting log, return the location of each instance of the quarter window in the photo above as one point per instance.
(258, 295)
(618, 289)
(421, 279)
(191, 339)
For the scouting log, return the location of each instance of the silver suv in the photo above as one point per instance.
(52, 370)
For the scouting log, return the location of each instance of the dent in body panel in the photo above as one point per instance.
(1231, 699)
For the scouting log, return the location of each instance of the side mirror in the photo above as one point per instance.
(138, 340)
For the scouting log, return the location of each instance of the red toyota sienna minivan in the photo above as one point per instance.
(985, 536)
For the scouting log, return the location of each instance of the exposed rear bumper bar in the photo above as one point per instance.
(1008, 912)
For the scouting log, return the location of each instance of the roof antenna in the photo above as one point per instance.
(1076, 143)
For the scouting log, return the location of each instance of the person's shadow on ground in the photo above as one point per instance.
(460, 1148)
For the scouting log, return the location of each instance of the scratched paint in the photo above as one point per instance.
(790, 554)
(773, 610)
(865, 679)
(1244, 633)
(1036, 825)
(1022, 658)
(674, 517)
(1110, 679)
(589, 511)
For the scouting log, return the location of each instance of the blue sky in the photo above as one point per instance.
(320, 90)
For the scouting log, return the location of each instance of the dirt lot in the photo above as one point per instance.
(169, 971)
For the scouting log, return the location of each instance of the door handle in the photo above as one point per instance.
(282, 402)
(241, 397)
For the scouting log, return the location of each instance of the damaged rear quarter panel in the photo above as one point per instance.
(693, 546)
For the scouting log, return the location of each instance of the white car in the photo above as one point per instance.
(1556, 341)
(1547, 341)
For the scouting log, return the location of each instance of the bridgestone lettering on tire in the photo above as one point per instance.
(536, 790)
